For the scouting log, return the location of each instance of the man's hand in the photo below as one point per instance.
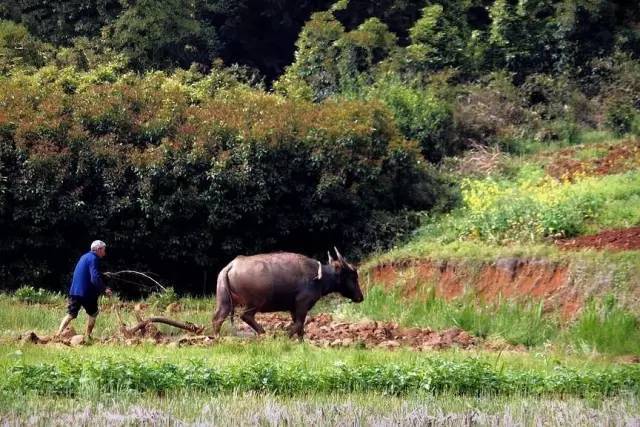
(108, 292)
(107, 274)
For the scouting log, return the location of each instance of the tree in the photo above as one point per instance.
(258, 33)
(60, 21)
(437, 39)
(162, 34)
(362, 49)
(19, 48)
(330, 60)
(315, 72)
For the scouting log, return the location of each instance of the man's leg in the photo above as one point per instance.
(91, 307)
(72, 313)
(65, 322)
(91, 322)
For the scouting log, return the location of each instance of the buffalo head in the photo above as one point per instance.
(347, 278)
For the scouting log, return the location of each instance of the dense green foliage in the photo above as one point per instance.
(167, 33)
(524, 37)
(180, 173)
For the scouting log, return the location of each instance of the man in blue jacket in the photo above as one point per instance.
(86, 287)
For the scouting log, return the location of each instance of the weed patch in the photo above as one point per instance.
(517, 323)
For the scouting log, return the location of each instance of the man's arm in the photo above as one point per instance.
(96, 279)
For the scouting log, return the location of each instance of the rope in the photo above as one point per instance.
(115, 274)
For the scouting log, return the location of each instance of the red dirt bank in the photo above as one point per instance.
(547, 281)
(509, 277)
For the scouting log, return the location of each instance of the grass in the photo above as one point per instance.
(514, 322)
(535, 208)
(477, 252)
(351, 409)
(488, 228)
(422, 247)
(608, 329)
(530, 147)
(280, 381)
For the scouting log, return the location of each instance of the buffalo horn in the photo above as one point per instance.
(340, 257)
(330, 258)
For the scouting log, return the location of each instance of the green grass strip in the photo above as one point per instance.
(433, 375)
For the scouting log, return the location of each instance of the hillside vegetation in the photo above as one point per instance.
(510, 202)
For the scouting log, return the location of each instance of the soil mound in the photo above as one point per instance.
(624, 239)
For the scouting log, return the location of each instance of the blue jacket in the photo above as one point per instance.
(86, 277)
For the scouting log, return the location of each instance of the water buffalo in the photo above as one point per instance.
(281, 282)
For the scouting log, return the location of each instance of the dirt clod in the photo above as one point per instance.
(29, 337)
(76, 340)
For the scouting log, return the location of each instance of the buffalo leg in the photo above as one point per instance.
(222, 311)
(249, 319)
(297, 328)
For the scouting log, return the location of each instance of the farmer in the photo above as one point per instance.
(86, 287)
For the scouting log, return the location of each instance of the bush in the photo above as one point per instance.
(178, 176)
(621, 117)
(29, 295)
(492, 113)
(421, 116)
(534, 208)
(331, 61)
(18, 48)
(160, 300)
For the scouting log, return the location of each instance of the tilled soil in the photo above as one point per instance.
(321, 330)
(622, 239)
(618, 158)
